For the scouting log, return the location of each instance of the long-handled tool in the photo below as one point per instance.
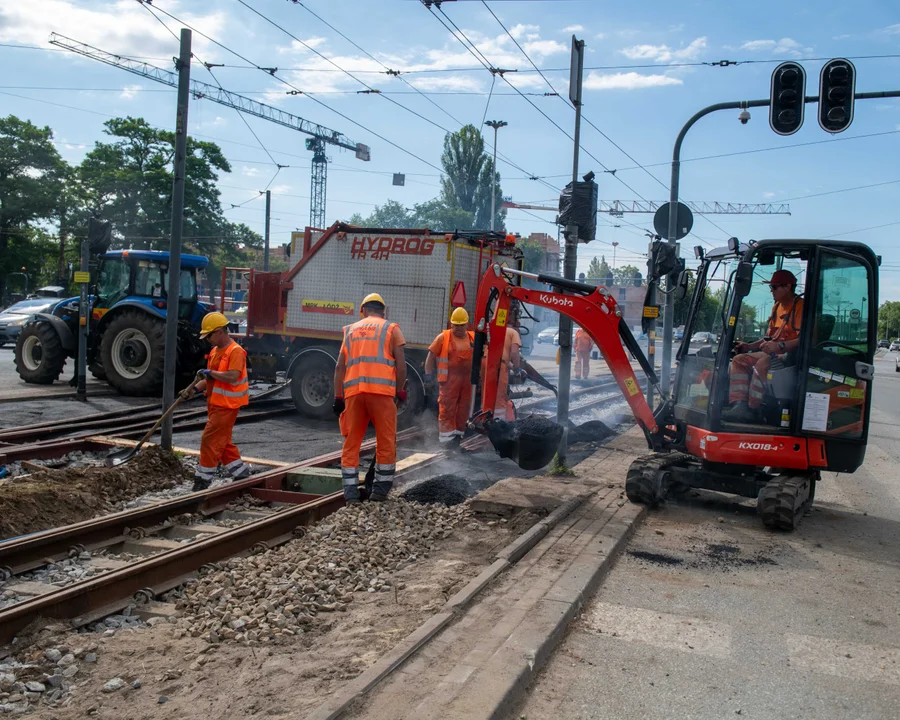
(123, 456)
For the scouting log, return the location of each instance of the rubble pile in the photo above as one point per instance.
(52, 498)
(265, 597)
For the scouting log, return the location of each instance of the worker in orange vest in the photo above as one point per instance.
(451, 354)
(583, 347)
(227, 390)
(510, 362)
(369, 380)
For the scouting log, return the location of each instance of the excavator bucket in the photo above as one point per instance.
(531, 442)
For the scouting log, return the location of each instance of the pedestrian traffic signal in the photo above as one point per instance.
(837, 86)
(788, 98)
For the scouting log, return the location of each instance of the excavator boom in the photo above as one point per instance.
(593, 308)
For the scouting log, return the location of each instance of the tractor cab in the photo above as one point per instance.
(814, 306)
(141, 277)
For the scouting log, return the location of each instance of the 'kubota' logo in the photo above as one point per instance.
(756, 446)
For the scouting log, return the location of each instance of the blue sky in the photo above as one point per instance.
(643, 88)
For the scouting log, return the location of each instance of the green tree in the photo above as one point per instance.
(129, 181)
(471, 178)
(889, 320)
(535, 257)
(390, 215)
(31, 183)
(628, 275)
(600, 270)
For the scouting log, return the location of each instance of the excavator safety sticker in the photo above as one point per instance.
(632, 386)
(501, 318)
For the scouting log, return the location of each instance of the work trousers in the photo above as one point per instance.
(216, 446)
(453, 406)
(748, 378)
(582, 364)
(359, 411)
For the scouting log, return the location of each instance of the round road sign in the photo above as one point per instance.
(684, 221)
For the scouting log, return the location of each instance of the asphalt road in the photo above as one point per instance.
(707, 615)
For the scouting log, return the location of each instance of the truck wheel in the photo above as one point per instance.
(97, 370)
(312, 385)
(132, 351)
(39, 354)
(415, 400)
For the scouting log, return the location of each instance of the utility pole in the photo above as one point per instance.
(496, 124)
(183, 65)
(615, 244)
(576, 70)
(268, 213)
(84, 315)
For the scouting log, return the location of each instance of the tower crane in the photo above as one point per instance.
(319, 136)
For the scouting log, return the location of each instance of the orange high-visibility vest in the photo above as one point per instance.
(369, 357)
(784, 323)
(224, 394)
(443, 360)
(583, 342)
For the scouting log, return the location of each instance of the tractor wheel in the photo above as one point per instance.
(312, 385)
(40, 356)
(97, 370)
(132, 351)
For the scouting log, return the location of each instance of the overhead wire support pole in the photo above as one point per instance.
(496, 124)
(571, 259)
(673, 197)
(174, 278)
(268, 218)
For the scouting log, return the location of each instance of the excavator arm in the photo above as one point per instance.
(593, 308)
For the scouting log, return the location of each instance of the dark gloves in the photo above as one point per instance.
(338, 407)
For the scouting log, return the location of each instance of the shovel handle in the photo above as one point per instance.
(162, 418)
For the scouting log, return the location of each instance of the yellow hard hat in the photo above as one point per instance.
(459, 317)
(371, 298)
(211, 322)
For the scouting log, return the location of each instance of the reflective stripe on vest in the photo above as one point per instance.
(370, 364)
(229, 395)
(443, 360)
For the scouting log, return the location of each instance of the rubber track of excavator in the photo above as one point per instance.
(784, 500)
(644, 482)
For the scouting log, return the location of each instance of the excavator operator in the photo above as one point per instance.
(751, 364)
(451, 354)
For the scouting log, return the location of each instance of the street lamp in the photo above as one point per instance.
(615, 244)
(496, 124)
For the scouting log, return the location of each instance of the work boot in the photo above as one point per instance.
(200, 484)
(740, 412)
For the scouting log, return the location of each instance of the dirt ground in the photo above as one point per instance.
(188, 678)
(53, 498)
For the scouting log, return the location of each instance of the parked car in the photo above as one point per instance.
(883, 344)
(895, 346)
(15, 316)
(547, 335)
(897, 364)
(679, 332)
(703, 337)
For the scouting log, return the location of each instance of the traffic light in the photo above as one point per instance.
(787, 100)
(837, 86)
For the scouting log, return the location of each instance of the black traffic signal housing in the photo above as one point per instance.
(788, 98)
(837, 87)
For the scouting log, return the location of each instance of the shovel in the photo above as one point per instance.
(123, 456)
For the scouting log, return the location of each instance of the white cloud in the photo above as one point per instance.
(665, 54)
(118, 26)
(545, 47)
(600, 36)
(892, 29)
(519, 31)
(130, 91)
(573, 28)
(768, 195)
(446, 82)
(249, 171)
(785, 46)
(627, 81)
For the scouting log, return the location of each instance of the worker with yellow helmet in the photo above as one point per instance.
(227, 390)
(451, 356)
(369, 380)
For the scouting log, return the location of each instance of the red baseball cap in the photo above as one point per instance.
(782, 277)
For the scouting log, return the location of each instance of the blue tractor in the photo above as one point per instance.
(127, 333)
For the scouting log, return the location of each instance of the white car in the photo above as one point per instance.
(547, 335)
(895, 346)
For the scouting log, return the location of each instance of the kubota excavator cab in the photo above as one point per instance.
(810, 403)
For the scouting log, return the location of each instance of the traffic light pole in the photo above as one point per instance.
(178, 181)
(673, 199)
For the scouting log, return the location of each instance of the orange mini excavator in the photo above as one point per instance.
(812, 406)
